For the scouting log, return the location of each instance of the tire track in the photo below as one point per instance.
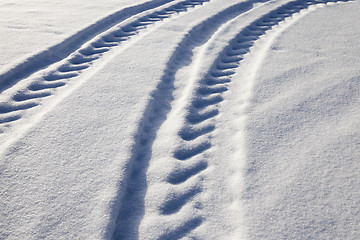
(135, 184)
(204, 107)
(70, 45)
(14, 105)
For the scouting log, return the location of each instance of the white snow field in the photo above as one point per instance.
(180, 119)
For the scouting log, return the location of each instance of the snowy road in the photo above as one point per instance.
(183, 119)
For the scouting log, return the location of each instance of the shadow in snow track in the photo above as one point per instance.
(182, 230)
(132, 200)
(206, 98)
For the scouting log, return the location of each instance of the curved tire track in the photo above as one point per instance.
(14, 105)
(135, 184)
(204, 106)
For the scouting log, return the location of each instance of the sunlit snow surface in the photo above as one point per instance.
(183, 119)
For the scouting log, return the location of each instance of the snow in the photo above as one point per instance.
(303, 132)
(179, 119)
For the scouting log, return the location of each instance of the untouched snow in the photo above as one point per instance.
(187, 119)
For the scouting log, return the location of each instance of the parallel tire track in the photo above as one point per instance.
(204, 106)
(71, 44)
(31, 96)
(202, 109)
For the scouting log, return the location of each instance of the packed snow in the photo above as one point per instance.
(180, 119)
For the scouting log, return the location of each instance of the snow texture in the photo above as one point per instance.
(180, 119)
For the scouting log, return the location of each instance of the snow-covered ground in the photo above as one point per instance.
(180, 119)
